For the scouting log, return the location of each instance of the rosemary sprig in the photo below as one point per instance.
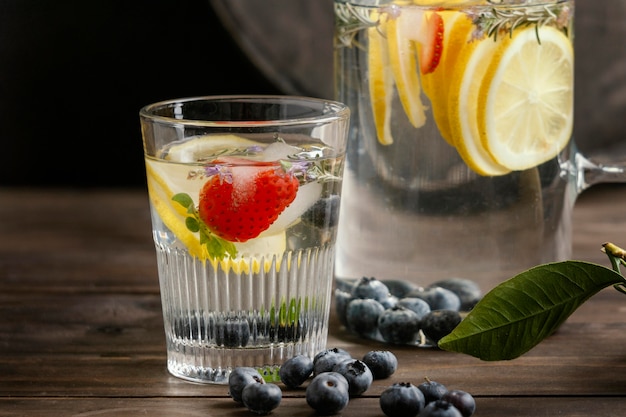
(497, 21)
(349, 21)
(490, 21)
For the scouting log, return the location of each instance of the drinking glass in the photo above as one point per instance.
(460, 161)
(244, 195)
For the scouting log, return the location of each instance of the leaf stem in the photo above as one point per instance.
(617, 257)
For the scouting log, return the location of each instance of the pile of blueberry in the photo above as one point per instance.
(335, 377)
(400, 312)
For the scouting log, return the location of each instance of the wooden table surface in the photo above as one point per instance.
(81, 328)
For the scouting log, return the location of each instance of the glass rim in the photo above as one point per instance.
(327, 110)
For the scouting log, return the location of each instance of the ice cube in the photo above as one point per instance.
(307, 195)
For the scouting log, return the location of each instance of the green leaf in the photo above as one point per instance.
(519, 313)
(183, 199)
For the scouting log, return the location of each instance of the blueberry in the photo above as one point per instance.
(399, 325)
(344, 284)
(294, 371)
(324, 213)
(239, 378)
(382, 363)
(327, 393)
(463, 401)
(232, 332)
(261, 398)
(370, 288)
(390, 301)
(439, 323)
(362, 316)
(342, 298)
(399, 288)
(438, 298)
(417, 305)
(467, 290)
(358, 375)
(440, 408)
(432, 390)
(325, 360)
(402, 399)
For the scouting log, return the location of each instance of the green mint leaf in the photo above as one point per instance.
(519, 313)
(184, 200)
(217, 247)
(192, 224)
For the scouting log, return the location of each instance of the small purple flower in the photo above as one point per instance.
(223, 171)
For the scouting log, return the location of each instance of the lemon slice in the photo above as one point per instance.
(403, 61)
(526, 99)
(381, 83)
(457, 32)
(469, 71)
(196, 149)
(165, 179)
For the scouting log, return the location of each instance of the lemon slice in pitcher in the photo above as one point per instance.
(525, 104)
(381, 83)
(457, 34)
(470, 69)
(403, 61)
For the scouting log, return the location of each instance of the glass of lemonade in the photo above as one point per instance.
(460, 161)
(244, 195)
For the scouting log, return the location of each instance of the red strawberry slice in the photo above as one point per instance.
(432, 43)
(243, 200)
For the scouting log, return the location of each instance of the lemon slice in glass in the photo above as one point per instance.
(525, 103)
(381, 83)
(403, 61)
(469, 71)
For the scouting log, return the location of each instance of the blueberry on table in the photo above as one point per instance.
(370, 287)
(468, 291)
(440, 408)
(325, 360)
(362, 316)
(462, 400)
(438, 298)
(382, 363)
(327, 393)
(358, 375)
(402, 399)
(342, 298)
(294, 371)
(439, 323)
(432, 390)
(415, 304)
(399, 287)
(399, 325)
(239, 378)
(261, 398)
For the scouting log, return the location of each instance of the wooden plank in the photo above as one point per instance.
(111, 345)
(292, 407)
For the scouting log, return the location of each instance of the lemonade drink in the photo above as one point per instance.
(460, 141)
(244, 212)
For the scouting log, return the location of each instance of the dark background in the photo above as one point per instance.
(74, 74)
